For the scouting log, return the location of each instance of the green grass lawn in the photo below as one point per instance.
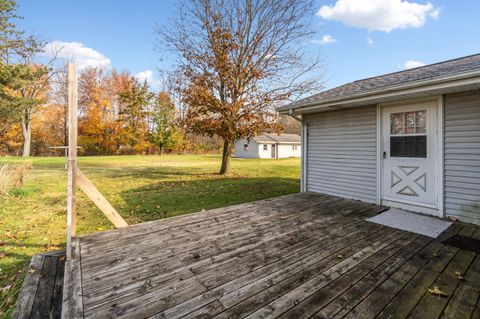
(141, 188)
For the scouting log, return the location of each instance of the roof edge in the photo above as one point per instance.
(390, 89)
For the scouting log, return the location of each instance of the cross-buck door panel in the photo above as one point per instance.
(409, 154)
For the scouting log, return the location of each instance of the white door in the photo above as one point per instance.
(410, 165)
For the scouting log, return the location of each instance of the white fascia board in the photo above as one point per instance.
(391, 91)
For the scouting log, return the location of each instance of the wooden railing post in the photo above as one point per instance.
(72, 157)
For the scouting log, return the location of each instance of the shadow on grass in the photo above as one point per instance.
(167, 199)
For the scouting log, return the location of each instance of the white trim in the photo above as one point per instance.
(413, 207)
(407, 202)
(440, 156)
(465, 79)
(379, 155)
(437, 210)
(303, 180)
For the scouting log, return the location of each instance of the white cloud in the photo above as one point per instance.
(326, 39)
(410, 64)
(147, 75)
(78, 53)
(369, 40)
(383, 15)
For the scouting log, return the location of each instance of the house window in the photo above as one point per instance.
(294, 147)
(265, 147)
(408, 134)
(245, 147)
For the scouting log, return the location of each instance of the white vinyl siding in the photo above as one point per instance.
(342, 153)
(462, 156)
(252, 150)
(286, 150)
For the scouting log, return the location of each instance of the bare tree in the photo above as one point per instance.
(238, 60)
(59, 96)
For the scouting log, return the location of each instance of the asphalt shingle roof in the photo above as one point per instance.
(278, 138)
(432, 71)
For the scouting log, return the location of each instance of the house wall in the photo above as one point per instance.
(341, 148)
(251, 152)
(462, 156)
(286, 150)
(265, 153)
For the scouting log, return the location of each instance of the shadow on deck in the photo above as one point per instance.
(298, 256)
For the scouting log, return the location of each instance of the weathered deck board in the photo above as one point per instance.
(300, 256)
(41, 293)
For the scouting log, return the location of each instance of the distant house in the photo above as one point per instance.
(409, 139)
(269, 146)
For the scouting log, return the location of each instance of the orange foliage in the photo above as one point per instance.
(49, 128)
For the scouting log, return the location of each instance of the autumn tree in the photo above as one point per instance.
(134, 100)
(164, 132)
(23, 83)
(98, 125)
(239, 60)
(23, 88)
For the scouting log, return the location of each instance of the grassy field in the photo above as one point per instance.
(142, 188)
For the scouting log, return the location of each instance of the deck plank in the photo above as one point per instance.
(72, 300)
(41, 293)
(405, 301)
(296, 256)
(42, 306)
(300, 293)
(27, 295)
(431, 306)
(359, 290)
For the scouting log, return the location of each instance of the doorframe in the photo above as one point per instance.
(438, 211)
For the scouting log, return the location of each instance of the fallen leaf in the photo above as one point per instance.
(52, 247)
(437, 291)
(10, 236)
(32, 271)
(437, 253)
(2, 256)
(7, 287)
(340, 256)
(460, 275)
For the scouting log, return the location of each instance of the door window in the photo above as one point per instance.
(408, 134)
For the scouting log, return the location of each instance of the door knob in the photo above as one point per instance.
(384, 155)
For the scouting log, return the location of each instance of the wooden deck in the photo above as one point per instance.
(42, 290)
(299, 256)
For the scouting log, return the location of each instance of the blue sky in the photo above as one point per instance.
(356, 38)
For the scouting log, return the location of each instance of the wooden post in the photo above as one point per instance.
(72, 157)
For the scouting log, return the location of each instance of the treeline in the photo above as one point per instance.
(118, 114)
(225, 89)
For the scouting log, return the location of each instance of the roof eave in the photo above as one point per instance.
(470, 78)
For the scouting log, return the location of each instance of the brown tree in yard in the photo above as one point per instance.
(237, 61)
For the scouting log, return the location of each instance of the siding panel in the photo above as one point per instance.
(462, 157)
(341, 158)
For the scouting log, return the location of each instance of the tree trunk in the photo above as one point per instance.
(27, 135)
(227, 154)
(160, 149)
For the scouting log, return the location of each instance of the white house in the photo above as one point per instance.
(409, 139)
(269, 146)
